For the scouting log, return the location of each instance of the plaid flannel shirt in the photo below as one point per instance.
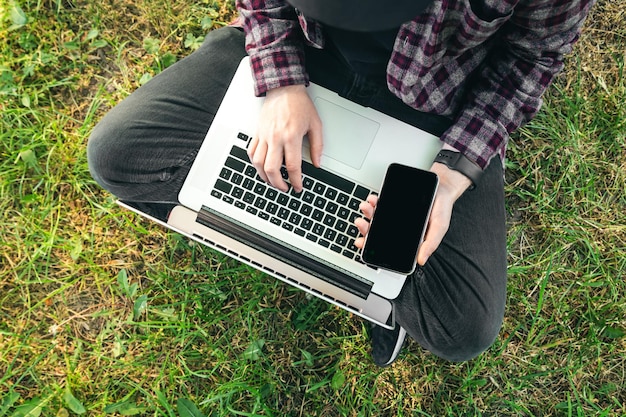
(485, 63)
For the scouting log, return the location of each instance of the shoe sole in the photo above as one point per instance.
(397, 348)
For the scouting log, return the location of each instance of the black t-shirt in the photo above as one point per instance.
(365, 52)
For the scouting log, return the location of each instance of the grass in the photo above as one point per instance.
(102, 313)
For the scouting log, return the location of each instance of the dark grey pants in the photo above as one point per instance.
(142, 150)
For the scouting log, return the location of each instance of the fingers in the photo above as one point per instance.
(316, 142)
(363, 226)
(372, 199)
(256, 152)
(367, 207)
(293, 164)
(268, 162)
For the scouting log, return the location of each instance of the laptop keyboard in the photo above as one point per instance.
(323, 212)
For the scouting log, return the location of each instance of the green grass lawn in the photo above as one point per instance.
(103, 313)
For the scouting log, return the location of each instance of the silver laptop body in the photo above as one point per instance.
(225, 205)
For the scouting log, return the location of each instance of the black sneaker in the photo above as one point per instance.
(386, 344)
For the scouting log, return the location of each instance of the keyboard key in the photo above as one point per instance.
(332, 207)
(329, 220)
(237, 178)
(354, 204)
(260, 188)
(317, 215)
(240, 153)
(228, 199)
(225, 173)
(330, 234)
(271, 193)
(306, 224)
(306, 210)
(307, 183)
(318, 229)
(330, 193)
(308, 197)
(319, 202)
(235, 164)
(319, 188)
(341, 240)
(282, 199)
(223, 186)
(361, 192)
(295, 218)
(250, 171)
(341, 225)
(294, 204)
(248, 184)
(248, 197)
(283, 213)
(260, 203)
(237, 192)
(348, 254)
(242, 136)
(272, 208)
(343, 213)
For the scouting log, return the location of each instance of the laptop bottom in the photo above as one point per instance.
(371, 307)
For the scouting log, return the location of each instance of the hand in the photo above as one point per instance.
(287, 115)
(452, 185)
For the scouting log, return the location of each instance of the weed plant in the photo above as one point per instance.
(103, 313)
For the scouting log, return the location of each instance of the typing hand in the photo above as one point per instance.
(287, 115)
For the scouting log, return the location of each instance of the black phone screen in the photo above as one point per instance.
(400, 219)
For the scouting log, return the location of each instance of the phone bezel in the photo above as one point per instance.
(433, 191)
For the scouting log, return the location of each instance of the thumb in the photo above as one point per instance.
(432, 239)
(425, 251)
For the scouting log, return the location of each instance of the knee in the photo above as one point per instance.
(229, 38)
(472, 333)
(106, 149)
(114, 158)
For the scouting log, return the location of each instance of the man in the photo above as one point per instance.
(469, 71)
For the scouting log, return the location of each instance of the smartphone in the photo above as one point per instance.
(399, 222)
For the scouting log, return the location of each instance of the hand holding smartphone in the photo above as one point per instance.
(399, 222)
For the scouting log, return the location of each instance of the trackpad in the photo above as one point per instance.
(348, 136)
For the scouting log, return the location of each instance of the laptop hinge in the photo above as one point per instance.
(283, 252)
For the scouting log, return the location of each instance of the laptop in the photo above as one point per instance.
(305, 239)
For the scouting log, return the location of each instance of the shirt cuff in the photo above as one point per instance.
(278, 69)
(477, 137)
